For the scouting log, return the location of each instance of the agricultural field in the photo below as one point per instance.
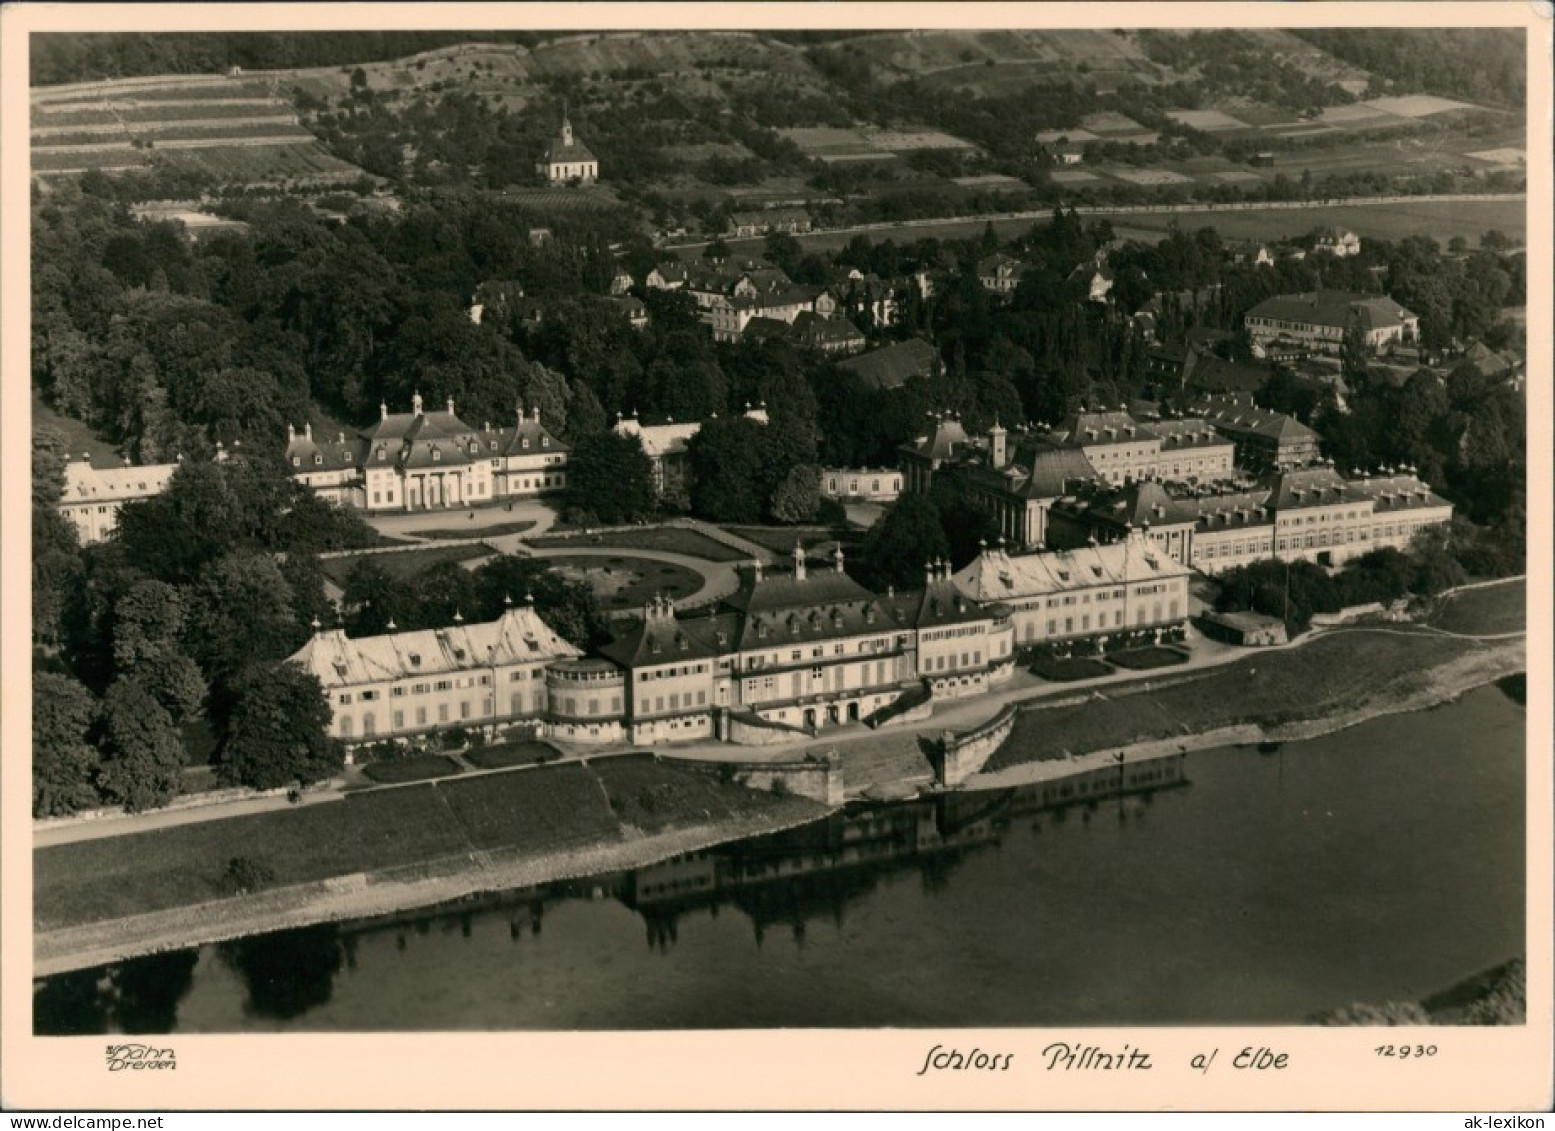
(1439, 219)
(237, 131)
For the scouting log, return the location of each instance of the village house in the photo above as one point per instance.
(567, 159)
(429, 460)
(747, 224)
(402, 684)
(1317, 320)
(92, 496)
(1336, 242)
(1128, 586)
(1000, 273)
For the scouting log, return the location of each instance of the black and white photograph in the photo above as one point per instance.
(1017, 538)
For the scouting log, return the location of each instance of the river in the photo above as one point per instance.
(1384, 862)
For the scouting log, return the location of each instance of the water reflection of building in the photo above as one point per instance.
(816, 870)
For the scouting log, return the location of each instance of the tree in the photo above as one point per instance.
(142, 757)
(570, 607)
(63, 761)
(783, 251)
(725, 461)
(241, 614)
(278, 730)
(898, 546)
(610, 477)
(799, 495)
(716, 250)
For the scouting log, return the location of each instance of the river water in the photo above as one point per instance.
(1384, 862)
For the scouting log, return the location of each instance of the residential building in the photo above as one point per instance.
(1126, 586)
(747, 224)
(828, 335)
(875, 485)
(429, 460)
(566, 159)
(635, 310)
(1000, 273)
(402, 684)
(1317, 320)
(92, 496)
(1336, 242)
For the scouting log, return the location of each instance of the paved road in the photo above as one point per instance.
(1120, 210)
(406, 524)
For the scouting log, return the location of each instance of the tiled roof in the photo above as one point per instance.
(890, 366)
(1334, 308)
(659, 440)
(941, 443)
(518, 636)
(996, 575)
(85, 483)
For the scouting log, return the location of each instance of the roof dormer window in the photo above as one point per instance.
(494, 445)
(296, 462)
(382, 454)
(317, 459)
(524, 443)
(545, 441)
(437, 455)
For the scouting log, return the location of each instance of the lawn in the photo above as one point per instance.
(404, 563)
(654, 797)
(500, 756)
(484, 532)
(1309, 682)
(781, 539)
(665, 539)
(533, 810)
(113, 876)
(627, 583)
(1493, 609)
(419, 768)
(1076, 667)
(1144, 659)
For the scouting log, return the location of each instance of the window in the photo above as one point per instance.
(442, 712)
(344, 699)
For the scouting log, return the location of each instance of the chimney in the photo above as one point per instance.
(837, 558)
(415, 403)
(996, 444)
(291, 433)
(798, 562)
(383, 411)
(450, 406)
(307, 430)
(537, 414)
(340, 437)
(756, 569)
(928, 574)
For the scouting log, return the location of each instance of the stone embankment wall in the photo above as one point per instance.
(816, 777)
(964, 754)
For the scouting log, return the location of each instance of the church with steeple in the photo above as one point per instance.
(566, 158)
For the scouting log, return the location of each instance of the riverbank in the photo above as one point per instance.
(499, 831)
(1402, 691)
(363, 895)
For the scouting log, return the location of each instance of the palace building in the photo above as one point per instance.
(1308, 514)
(784, 656)
(1128, 586)
(403, 684)
(92, 496)
(429, 461)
